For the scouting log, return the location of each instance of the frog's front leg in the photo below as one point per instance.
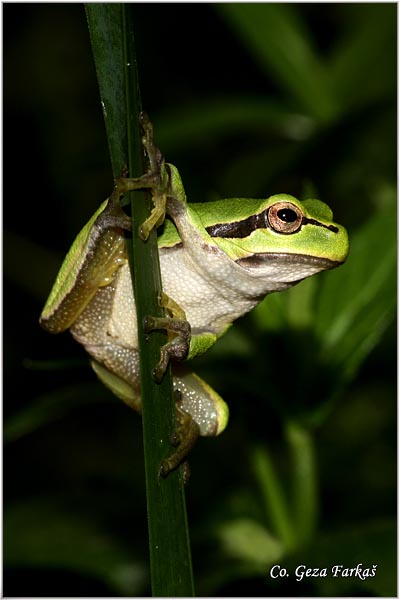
(179, 334)
(156, 179)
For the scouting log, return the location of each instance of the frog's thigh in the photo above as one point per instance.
(128, 392)
(200, 401)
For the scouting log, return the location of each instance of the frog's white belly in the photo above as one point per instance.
(213, 294)
(209, 304)
(206, 307)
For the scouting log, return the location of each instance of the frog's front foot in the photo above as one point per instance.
(179, 334)
(185, 438)
(177, 348)
(155, 179)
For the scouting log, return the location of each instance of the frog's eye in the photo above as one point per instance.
(285, 217)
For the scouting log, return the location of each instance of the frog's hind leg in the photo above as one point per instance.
(185, 437)
(128, 392)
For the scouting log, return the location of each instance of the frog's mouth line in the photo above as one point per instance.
(257, 260)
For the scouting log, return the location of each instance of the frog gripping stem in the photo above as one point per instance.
(156, 179)
(177, 348)
(179, 334)
(185, 438)
(218, 260)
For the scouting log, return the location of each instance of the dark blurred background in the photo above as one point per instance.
(247, 100)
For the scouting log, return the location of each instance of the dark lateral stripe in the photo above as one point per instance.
(306, 221)
(238, 229)
(242, 229)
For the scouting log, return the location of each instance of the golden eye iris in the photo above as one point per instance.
(285, 217)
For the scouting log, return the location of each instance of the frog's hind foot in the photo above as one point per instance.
(185, 437)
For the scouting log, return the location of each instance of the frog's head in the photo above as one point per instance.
(283, 237)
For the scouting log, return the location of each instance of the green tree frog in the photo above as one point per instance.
(218, 260)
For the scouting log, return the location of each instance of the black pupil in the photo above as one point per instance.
(287, 215)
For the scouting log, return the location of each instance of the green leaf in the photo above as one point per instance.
(349, 324)
(58, 537)
(247, 540)
(368, 46)
(273, 497)
(304, 481)
(278, 41)
(49, 408)
(293, 309)
(215, 118)
(368, 544)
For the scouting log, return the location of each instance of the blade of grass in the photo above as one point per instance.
(273, 496)
(276, 36)
(111, 28)
(351, 325)
(304, 503)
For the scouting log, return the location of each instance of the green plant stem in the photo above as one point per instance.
(111, 28)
